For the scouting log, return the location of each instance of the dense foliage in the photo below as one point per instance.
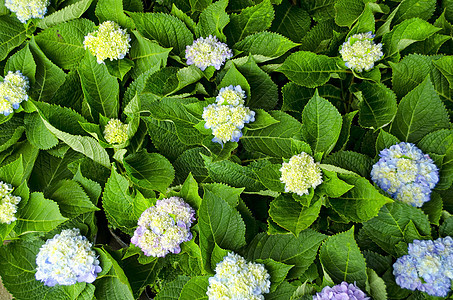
(189, 149)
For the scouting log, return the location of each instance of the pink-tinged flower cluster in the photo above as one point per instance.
(163, 227)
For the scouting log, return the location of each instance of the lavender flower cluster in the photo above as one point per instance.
(342, 291)
(228, 115)
(406, 173)
(428, 267)
(236, 278)
(205, 52)
(66, 259)
(163, 227)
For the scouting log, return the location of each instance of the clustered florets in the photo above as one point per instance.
(205, 52)
(342, 291)
(300, 174)
(360, 53)
(228, 115)
(163, 227)
(428, 267)
(237, 279)
(13, 90)
(8, 203)
(66, 259)
(406, 173)
(27, 9)
(115, 132)
(109, 41)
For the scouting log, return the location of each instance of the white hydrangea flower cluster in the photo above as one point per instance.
(205, 52)
(300, 174)
(228, 115)
(27, 9)
(13, 90)
(115, 132)
(237, 279)
(163, 227)
(406, 173)
(109, 41)
(66, 259)
(8, 203)
(360, 53)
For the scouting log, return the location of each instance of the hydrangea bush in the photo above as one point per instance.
(226, 149)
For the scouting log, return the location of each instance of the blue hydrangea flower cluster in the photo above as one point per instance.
(205, 52)
(342, 291)
(360, 53)
(228, 115)
(428, 267)
(13, 90)
(66, 259)
(406, 173)
(235, 278)
(28, 9)
(164, 226)
(109, 41)
(8, 203)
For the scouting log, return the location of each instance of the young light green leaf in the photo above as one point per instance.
(445, 66)
(112, 10)
(213, 20)
(270, 177)
(58, 41)
(308, 69)
(37, 133)
(22, 60)
(234, 77)
(342, 260)
(11, 35)
(172, 290)
(353, 161)
(195, 288)
(70, 12)
(321, 124)
(149, 170)
(11, 132)
(419, 112)
(422, 9)
(101, 89)
(348, 11)
(385, 140)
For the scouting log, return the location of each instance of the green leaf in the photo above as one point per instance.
(11, 132)
(320, 9)
(39, 215)
(291, 21)
(283, 139)
(172, 290)
(422, 9)
(292, 215)
(419, 112)
(112, 10)
(270, 177)
(389, 227)
(323, 38)
(445, 66)
(308, 69)
(70, 12)
(56, 42)
(360, 203)
(295, 97)
(167, 30)
(406, 33)
(265, 46)
(12, 173)
(277, 271)
(190, 161)
(262, 119)
(149, 170)
(321, 124)
(299, 251)
(189, 192)
(228, 231)
(234, 77)
(120, 67)
(11, 35)
(377, 106)
(147, 55)
(71, 198)
(101, 89)
(348, 11)
(332, 186)
(217, 255)
(377, 286)
(251, 19)
(441, 143)
(213, 20)
(229, 194)
(433, 208)
(195, 288)
(37, 133)
(385, 140)
(113, 285)
(18, 268)
(345, 132)
(22, 60)
(140, 275)
(342, 260)
(92, 188)
(446, 229)
(264, 91)
(121, 208)
(353, 161)
(49, 77)
(365, 22)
